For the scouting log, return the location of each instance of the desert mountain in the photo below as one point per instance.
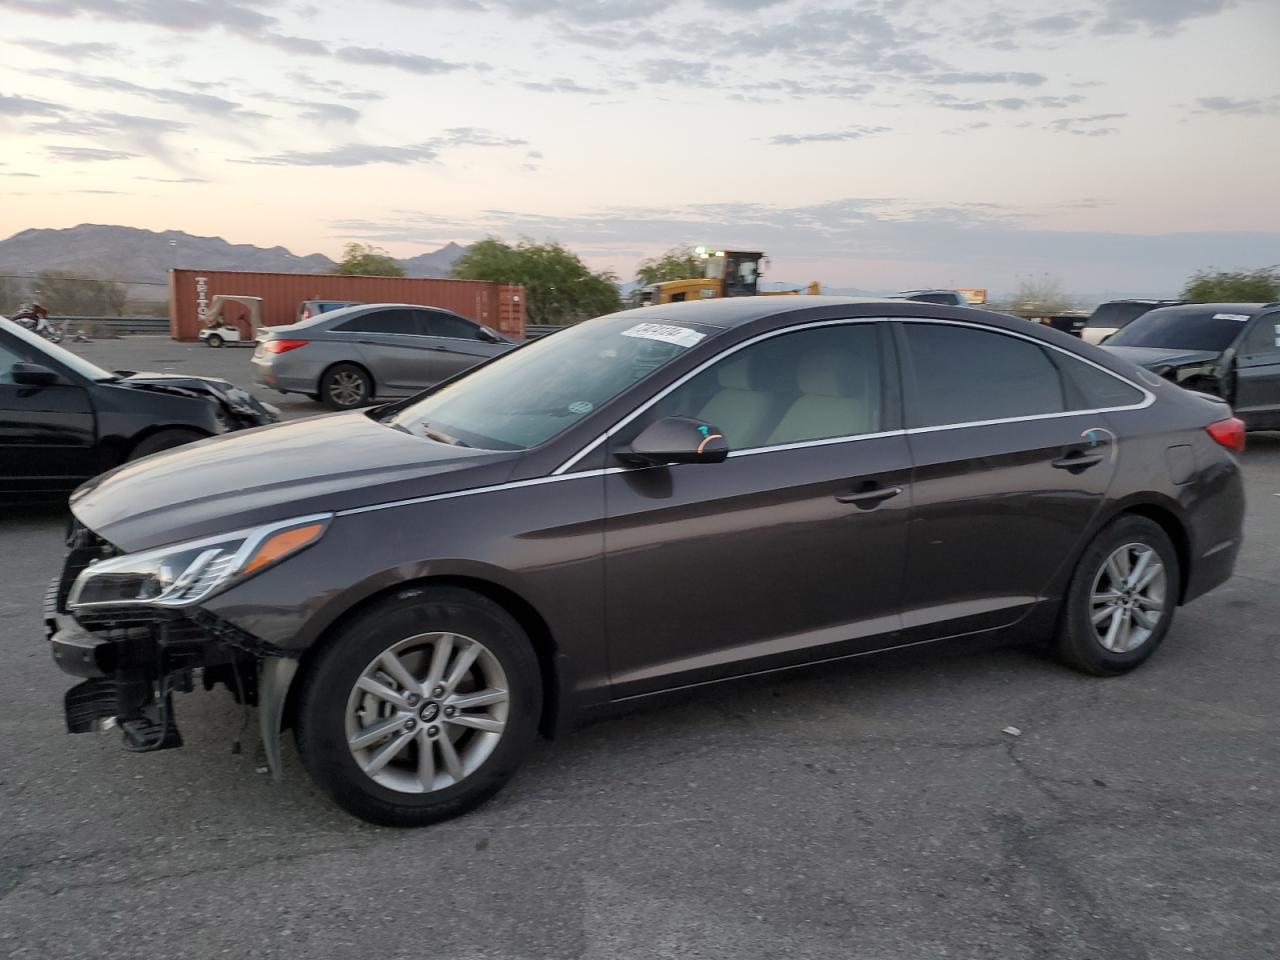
(141, 259)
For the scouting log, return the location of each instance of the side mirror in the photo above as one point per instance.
(488, 336)
(33, 375)
(677, 440)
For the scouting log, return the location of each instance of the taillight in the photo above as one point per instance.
(282, 346)
(1229, 433)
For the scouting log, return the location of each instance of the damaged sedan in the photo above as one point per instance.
(648, 501)
(64, 419)
(1229, 350)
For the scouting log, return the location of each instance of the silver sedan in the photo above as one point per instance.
(348, 357)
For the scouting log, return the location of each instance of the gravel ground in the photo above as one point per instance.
(868, 811)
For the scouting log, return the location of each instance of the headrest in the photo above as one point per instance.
(734, 374)
(823, 374)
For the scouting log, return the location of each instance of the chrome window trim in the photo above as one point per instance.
(1148, 396)
(560, 473)
(824, 442)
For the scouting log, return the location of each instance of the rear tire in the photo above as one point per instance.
(383, 721)
(164, 440)
(345, 386)
(1121, 600)
(213, 340)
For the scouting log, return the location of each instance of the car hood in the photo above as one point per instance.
(242, 407)
(227, 483)
(1157, 357)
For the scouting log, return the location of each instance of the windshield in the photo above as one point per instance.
(1178, 329)
(1116, 315)
(529, 395)
(79, 365)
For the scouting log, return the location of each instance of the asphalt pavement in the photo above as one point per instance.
(874, 810)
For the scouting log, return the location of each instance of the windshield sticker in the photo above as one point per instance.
(1242, 317)
(581, 406)
(665, 333)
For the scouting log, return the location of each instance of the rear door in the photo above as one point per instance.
(1257, 399)
(47, 433)
(388, 342)
(456, 342)
(789, 551)
(1010, 466)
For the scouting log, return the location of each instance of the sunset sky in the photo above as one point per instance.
(1115, 144)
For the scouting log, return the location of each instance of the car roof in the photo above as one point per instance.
(732, 312)
(1195, 309)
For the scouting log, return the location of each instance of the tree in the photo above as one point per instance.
(1040, 295)
(365, 260)
(558, 286)
(678, 263)
(67, 296)
(1239, 286)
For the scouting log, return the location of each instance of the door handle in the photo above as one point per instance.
(364, 340)
(1076, 462)
(869, 498)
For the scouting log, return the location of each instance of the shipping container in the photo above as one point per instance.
(497, 305)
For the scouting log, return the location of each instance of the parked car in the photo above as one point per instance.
(1115, 315)
(950, 298)
(64, 420)
(646, 501)
(1231, 350)
(313, 308)
(347, 357)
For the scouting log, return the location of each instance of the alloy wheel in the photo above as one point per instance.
(1128, 597)
(346, 388)
(427, 712)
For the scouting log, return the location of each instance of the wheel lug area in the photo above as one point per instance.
(412, 699)
(433, 731)
(410, 723)
(450, 711)
(438, 691)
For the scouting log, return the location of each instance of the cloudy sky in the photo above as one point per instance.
(1115, 144)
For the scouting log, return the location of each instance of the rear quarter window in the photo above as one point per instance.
(1096, 389)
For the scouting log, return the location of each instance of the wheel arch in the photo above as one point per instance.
(142, 436)
(1166, 514)
(535, 626)
(361, 366)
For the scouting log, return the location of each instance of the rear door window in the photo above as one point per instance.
(958, 375)
(441, 324)
(381, 321)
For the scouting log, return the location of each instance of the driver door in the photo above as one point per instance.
(789, 551)
(1257, 398)
(47, 433)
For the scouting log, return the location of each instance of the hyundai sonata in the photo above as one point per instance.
(646, 501)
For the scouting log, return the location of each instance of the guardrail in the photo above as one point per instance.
(532, 331)
(118, 324)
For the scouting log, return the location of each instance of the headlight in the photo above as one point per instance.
(186, 573)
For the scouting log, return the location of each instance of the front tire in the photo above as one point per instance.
(213, 340)
(419, 708)
(1120, 603)
(345, 386)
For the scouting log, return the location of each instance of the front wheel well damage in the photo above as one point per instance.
(526, 615)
